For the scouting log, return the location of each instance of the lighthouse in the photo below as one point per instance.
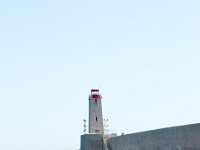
(95, 139)
(95, 113)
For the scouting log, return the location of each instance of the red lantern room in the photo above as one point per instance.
(95, 94)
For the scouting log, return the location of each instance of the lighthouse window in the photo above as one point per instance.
(96, 101)
(96, 118)
(96, 131)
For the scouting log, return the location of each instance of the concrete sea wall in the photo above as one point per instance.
(92, 142)
(175, 138)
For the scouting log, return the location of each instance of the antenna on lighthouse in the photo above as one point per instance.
(84, 126)
(105, 125)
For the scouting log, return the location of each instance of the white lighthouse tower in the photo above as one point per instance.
(95, 113)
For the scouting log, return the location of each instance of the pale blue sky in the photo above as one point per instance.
(144, 56)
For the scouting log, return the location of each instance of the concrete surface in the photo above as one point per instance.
(92, 142)
(175, 138)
